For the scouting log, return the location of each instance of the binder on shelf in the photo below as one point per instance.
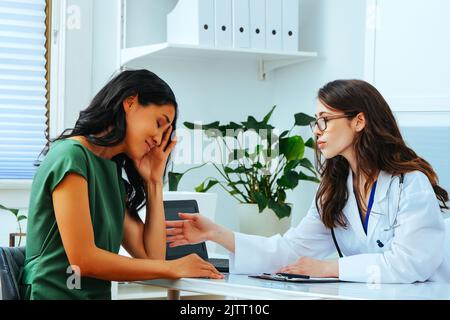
(241, 24)
(192, 22)
(223, 23)
(290, 28)
(257, 24)
(273, 25)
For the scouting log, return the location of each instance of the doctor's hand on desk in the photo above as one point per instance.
(195, 228)
(313, 268)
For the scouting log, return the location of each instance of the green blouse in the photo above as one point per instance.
(46, 274)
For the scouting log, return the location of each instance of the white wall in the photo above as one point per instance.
(336, 30)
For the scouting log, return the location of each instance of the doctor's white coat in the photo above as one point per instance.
(416, 248)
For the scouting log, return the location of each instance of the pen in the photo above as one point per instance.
(293, 276)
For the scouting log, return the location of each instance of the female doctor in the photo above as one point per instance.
(378, 204)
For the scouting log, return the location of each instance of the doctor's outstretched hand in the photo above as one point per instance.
(195, 228)
(313, 268)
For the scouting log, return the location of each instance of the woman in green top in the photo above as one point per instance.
(82, 209)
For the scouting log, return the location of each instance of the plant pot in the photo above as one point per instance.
(206, 202)
(265, 223)
(17, 239)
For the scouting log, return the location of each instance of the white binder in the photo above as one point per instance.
(191, 22)
(273, 25)
(258, 24)
(241, 24)
(290, 23)
(223, 23)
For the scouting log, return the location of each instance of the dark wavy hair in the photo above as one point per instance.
(105, 115)
(379, 146)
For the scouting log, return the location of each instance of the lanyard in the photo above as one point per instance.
(401, 180)
(369, 206)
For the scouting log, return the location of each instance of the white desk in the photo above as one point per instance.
(243, 287)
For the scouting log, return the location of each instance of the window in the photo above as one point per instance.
(23, 86)
(428, 134)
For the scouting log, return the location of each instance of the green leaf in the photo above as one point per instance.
(261, 200)
(231, 130)
(193, 126)
(284, 133)
(267, 117)
(211, 184)
(291, 165)
(251, 123)
(281, 195)
(303, 176)
(174, 180)
(189, 125)
(258, 165)
(282, 210)
(237, 154)
(289, 180)
(201, 187)
(310, 143)
(21, 217)
(292, 148)
(239, 169)
(305, 163)
(235, 183)
(302, 119)
(13, 211)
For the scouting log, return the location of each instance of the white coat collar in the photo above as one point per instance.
(351, 209)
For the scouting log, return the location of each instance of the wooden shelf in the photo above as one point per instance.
(268, 60)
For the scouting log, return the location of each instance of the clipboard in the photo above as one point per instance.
(296, 278)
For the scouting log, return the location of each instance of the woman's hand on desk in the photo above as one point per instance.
(313, 268)
(192, 266)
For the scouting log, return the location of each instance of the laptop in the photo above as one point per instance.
(171, 209)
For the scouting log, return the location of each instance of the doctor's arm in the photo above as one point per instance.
(195, 228)
(256, 254)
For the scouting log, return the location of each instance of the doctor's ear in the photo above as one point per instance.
(359, 122)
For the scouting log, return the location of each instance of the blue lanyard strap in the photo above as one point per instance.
(369, 206)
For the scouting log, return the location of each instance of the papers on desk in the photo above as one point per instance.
(293, 278)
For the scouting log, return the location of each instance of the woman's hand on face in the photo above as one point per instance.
(152, 165)
(194, 228)
(313, 267)
(192, 266)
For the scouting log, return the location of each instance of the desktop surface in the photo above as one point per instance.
(243, 287)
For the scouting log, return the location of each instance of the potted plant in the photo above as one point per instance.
(259, 177)
(20, 233)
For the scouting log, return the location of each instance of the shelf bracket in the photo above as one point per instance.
(266, 66)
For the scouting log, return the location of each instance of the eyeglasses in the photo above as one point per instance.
(322, 121)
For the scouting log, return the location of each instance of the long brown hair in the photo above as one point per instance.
(379, 146)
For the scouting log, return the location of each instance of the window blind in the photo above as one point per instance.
(23, 113)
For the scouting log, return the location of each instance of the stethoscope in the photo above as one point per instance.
(392, 225)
